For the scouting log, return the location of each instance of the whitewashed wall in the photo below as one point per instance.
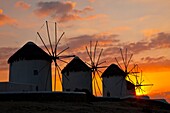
(23, 72)
(115, 85)
(77, 80)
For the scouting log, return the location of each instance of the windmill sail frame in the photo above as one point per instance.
(53, 52)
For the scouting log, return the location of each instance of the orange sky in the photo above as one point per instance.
(142, 26)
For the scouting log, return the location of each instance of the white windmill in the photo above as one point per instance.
(114, 84)
(26, 69)
(79, 75)
(123, 64)
(130, 72)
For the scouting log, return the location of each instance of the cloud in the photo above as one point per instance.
(4, 19)
(161, 40)
(150, 59)
(149, 33)
(103, 39)
(54, 7)
(84, 11)
(149, 64)
(68, 17)
(22, 5)
(155, 64)
(71, 17)
(111, 45)
(63, 11)
(137, 47)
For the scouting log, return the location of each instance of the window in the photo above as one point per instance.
(35, 72)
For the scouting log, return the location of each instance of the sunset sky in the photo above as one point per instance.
(141, 26)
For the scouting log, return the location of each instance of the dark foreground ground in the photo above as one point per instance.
(57, 102)
(80, 107)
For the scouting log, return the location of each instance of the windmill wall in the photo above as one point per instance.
(77, 81)
(35, 72)
(114, 86)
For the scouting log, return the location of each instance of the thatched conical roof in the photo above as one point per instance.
(30, 51)
(113, 70)
(76, 65)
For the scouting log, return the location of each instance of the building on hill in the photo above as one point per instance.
(77, 76)
(115, 84)
(30, 65)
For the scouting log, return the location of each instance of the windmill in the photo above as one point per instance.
(95, 65)
(52, 49)
(123, 64)
(140, 82)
